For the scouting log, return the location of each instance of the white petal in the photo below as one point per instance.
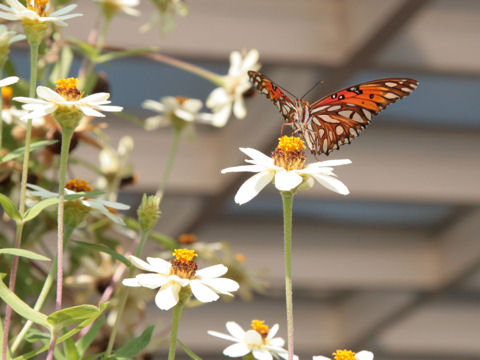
(108, 108)
(277, 342)
(64, 10)
(236, 350)
(258, 157)
(235, 330)
(9, 81)
(216, 97)
(262, 354)
(192, 105)
(253, 186)
(273, 331)
(114, 204)
(153, 122)
(211, 271)
(29, 100)
(222, 285)
(139, 263)
(201, 292)
(167, 297)
(49, 95)
(87, 110)
(160, 265)
(239, 109)
(250, 60)
(222, 336)
(332, 184)
(235, 63)
(220, 116)
(244, 168)
(332, 162)
(133, 282)
(320, 357)
(153, 105)
(252, 337)
(184, 115)
(364, 355)
(97, 98)
(151, 281)
(287, 180)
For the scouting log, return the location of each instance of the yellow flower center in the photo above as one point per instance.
(67, 88)
(240, 257)
(187, 238)
(183, 265)
(78, 185)
(181, 99)
(289, 153)
(344, 355)
(7, 93)
(260, 327)
(39, 6)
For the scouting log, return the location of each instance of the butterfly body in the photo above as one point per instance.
(336, 119)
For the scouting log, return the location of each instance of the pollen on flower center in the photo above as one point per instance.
(344, 355)
(7, 93)
(183, 265)
(67, 88)
(181, 99)
(39, 6)
(78, 185)
(289, 153)
(260, 327)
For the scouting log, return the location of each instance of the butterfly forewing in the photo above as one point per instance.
(339, 117)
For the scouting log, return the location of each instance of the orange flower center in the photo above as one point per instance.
(183, 265)
(181, 99)
(78, 185)
(39, 6)
(260, 327)
(67, 88)
(289, 153)
(344, 355)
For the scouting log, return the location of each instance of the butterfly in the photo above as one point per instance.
(335, 119)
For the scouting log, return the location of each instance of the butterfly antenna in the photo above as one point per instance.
(313, 87)
(285, 90)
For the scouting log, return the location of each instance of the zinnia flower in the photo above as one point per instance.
(348, 355)
(66, 95)
(286, 168)
(222, 99)
(259, 341)
(36, 10)
(180, 273)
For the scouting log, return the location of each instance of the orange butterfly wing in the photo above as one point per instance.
(338, 118)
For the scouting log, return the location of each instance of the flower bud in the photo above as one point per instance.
(148, 212)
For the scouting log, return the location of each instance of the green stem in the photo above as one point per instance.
(176, 314)
(124, 296)
(47, 285)
(171, 157)
(206, 74)
(287, 198)
(23, 189)
(67, 133)
(249, 356)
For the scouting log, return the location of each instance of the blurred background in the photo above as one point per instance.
(395, 266)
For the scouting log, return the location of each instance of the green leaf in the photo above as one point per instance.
(113, 55)
(24, 253)
(84, 48)
(63, 65)
(86, 340)
(10, 208)
(188, 351)
(164, 240)
(20, 151)
(104, 249)
(134, 346)
(36, 209)
(71, 352)
(68, 335)
(72, 315)
(22, 308)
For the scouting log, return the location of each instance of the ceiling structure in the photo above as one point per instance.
(395, 266)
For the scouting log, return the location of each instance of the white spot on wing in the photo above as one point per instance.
(390, 95)
(321, 132)
(339, 130)
(345, 113)
(357, 117)
(368, 114)
(334, 108)
(325, 145)
(353, 132)
(390, 84)
(329, 119)
(407, 89)
(320, 108)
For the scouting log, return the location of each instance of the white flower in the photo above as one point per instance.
(89, 106)
(8, 37)
(285, 180)
(97, 204)
(235, 84)
(127, 6)
(180, 273)
(259, 341)
(16, 11)
(348, 355)
(172, 108)
(8, 81)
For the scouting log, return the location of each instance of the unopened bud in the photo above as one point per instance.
(148, 212)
